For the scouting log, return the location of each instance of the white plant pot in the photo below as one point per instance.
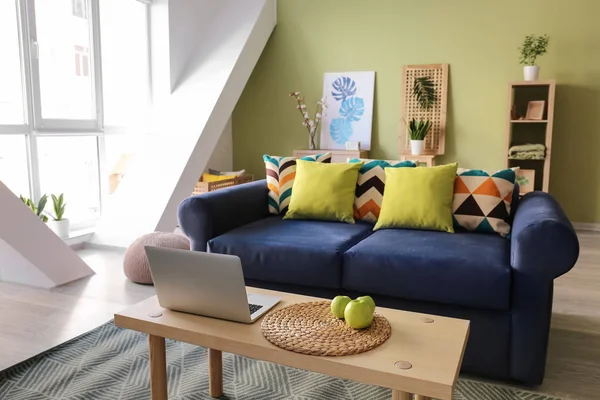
(61, 228)
(416, 147)
(531, 72)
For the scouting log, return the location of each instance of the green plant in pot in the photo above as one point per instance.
(37, 209)
(59, 224)
(532, 48)
(417, 131)
(424, 93)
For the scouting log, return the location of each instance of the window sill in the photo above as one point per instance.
(78, 237)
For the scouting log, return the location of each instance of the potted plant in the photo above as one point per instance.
(417, 131)
(533, 47)
(39, 209)
(424, 92)
(59, 224)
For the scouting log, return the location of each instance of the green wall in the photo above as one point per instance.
(478, 38)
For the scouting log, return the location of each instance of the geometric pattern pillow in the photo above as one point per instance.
(281, 172)
(370, 187)
(482, 201)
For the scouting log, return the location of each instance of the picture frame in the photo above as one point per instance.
(526, 180)
(349, 118)
(535, 110)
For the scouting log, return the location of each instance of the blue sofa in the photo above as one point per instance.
(503, 286)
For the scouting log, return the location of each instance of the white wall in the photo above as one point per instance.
(189, 21)
(221, 158)
(160, 54)
(187, 124)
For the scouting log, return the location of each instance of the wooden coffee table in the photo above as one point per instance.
(423, 355)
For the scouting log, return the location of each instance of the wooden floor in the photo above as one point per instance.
(573, 367)
(34, 320)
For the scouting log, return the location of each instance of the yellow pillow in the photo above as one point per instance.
(323, 191)
(206, 177)
(418, 198)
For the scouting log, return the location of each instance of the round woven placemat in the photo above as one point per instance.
(310, 328)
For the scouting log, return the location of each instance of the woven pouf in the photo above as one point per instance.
(135, 263)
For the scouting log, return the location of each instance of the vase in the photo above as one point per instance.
(416, 147)
(531, 72)
(311, 140)
(61, 228)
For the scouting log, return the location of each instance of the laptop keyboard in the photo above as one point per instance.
(254, 308)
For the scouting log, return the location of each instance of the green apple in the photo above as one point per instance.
(338, 305)
(367, 299)
(358, 314)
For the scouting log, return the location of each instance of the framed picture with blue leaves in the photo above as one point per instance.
(349, 118)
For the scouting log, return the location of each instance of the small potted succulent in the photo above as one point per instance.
(417, 131)
(424, 92)
(532, 48)
(59, 224)
(37, 209)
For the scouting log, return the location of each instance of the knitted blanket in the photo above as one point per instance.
(527, 152)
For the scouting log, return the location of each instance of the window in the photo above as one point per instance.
(67, 90)
(52, 97)
(13, 164)
(80, 8)
(11, 85)
(120, 151)
(126, 85)
(82, 61)
(125, 60)
(74, 173)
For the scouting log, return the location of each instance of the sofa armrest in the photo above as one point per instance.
(209, 215)
(543, 241)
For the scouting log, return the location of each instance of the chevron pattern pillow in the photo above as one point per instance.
(370, 186)
(482, 201)
(281, 172)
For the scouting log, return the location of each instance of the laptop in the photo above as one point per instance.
(205, 284)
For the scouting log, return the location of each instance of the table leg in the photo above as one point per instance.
(215, 373)
(158, 367)
(398, 395)
(420, 397)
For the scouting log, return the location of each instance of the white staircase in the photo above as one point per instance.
(30, 253)
(198, 77)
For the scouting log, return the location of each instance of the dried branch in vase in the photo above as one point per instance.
(311, 124)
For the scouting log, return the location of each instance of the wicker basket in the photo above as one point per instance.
(205, 187)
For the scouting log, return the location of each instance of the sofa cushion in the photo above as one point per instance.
(459, 269)
(418, 198)
(292, 251)
(281, 172)
(482, 202)
(370, 186)
(323, 192)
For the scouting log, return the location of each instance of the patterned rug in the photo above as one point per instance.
(112, 363)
